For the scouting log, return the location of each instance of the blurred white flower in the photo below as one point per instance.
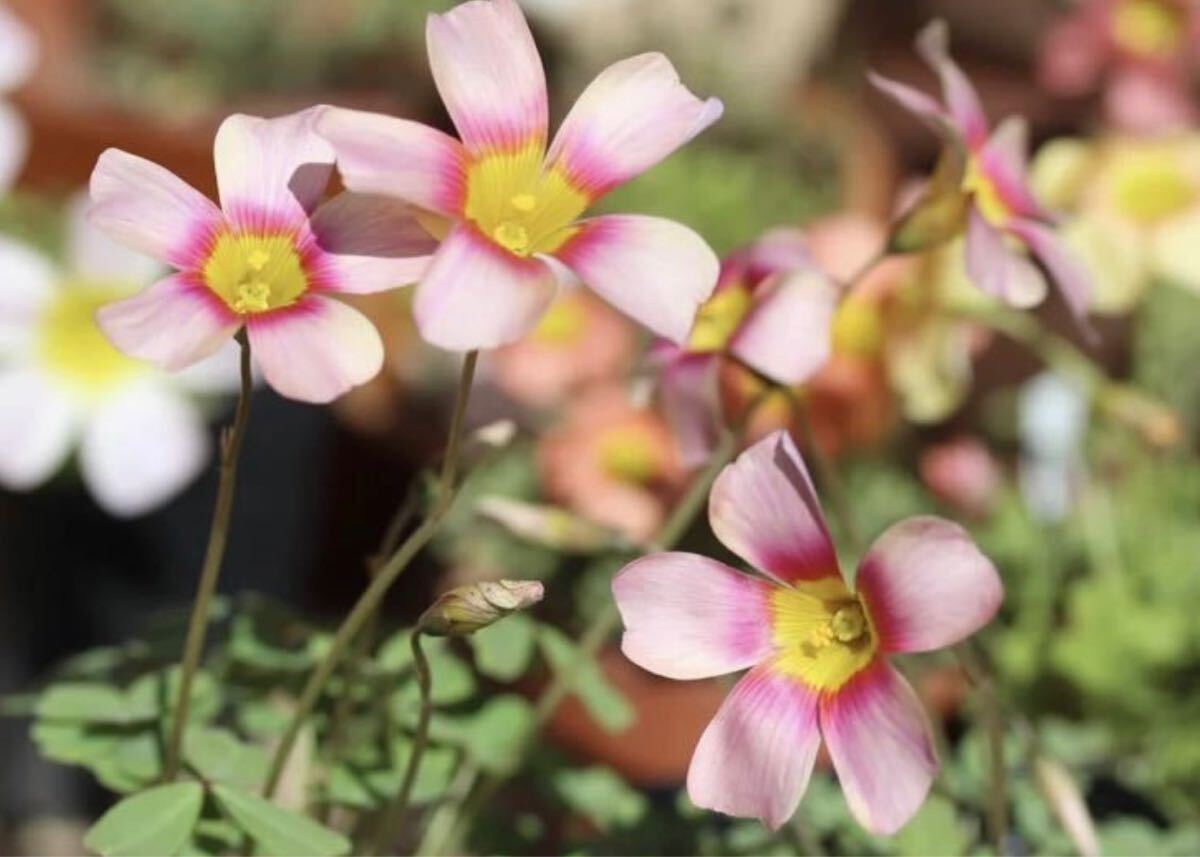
(1053, 416)
(18, 53)
(141, 439)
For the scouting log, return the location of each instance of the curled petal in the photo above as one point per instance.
(878, 738)
(478, 295)
(1068, 272)
(756, 756)
(316, 349)
(1004, 159)
(487, 69)
(916, 102)
(787, 335)
(634, 114)
(688, 386)
(656, 271)
(764, 509)
(933, 43)
(371, 243)
(998, 269)
(927, 585)
(688, 617)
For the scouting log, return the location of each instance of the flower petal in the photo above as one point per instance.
(764, 509)
(149, 208)
(18, 51)
(690, 404)
(634, 114)
(878, 738)
(37, 426)
(933, 43)
(756, 756)
(397, 157)
(1004, 159)
(29, 282)
(488, 72)
(173, 324)
(1000, 270)
(271, 169)
(141, 448)
(788, 334)
(927, 585)
(316, 349)
(1068, 272)
(656, 271)
(372, 243)
(477, 295)
(688, 617)
(14, 145)
(96, 258)
(915, 101)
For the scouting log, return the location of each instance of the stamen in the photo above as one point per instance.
(513, 237)
(848, 623)
(253, 296)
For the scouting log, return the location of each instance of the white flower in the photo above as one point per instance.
(140, 437)
(18, 53)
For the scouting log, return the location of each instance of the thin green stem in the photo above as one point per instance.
(975, 665)
(373, 595)
(218, 536)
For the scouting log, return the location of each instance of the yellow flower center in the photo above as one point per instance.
(563, 323)
(518, 205)
(1149, 184)
(719, 318)
(1148, 27)
(823, 632)
(255, 273)
(72, 346)
(629, 455)
(857, 328)
(987, 197)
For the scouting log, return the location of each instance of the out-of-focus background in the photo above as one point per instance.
(1088, 497)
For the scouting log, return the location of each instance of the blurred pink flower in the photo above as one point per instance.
(507, 204)
(1001, 208)
(612, 462)
(817, 650)
(267, 260)
(962, 473)
(579, 341)
(1143, 53)
(771, 312)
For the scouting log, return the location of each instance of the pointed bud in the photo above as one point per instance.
(1065, 800)
(468, 608)
(549, 526)
(940, 212)
(1157, 423)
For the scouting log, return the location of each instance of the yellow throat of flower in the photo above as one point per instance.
(629, 454)
(254, 273)
(71, 345)
(1149, 183)
(823, 631)
(519, 205)
(1151, 28)
(719, 318)
(563, 323)
(987, 197)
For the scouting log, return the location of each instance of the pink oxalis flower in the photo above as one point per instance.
(817, 650)
(1002, 214)
(506, 205)
(268, 259)
(772, 310)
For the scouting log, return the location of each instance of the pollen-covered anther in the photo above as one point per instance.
(848, 623)
(512, 236)
(254, 296)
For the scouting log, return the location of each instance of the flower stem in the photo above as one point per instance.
(382, 581)
(218, 536)
(974, 664)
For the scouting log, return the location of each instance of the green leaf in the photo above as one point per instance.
(154, 822)
(603, 701)
(493, 736)
(600, 795)
(91, 702)
(935, 830)
(157, 692)
(278, 831)
(219, 757)
(503, 650)
(71, 743)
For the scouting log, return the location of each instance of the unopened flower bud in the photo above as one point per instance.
(469, 608)
(940, 212)
(1066, 801)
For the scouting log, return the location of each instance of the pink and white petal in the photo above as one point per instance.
(488, 72)
(756, 756)
(141, 448)
(1066, 270)
(787, 335)
(634, 114)
(371, 243)
(397, 157)
(271, 172)
(690, 404)
(149, 208)
(1004, 160)
(921, 105)
(878, 738)
(656, 271)
(688, 616)
(962, 101)
(173, 324)
(217, 375)
(14, 145)
(37, 427)
(478, 295)
(998, 269)
(316, 349)
(763, 508)
(927, 585)
(94, 258)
